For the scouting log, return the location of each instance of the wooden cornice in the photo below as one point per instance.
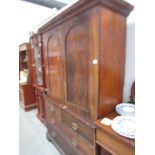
(24, 47)
(119, 6)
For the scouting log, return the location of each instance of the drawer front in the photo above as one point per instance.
(53, 115)
(61, 141)
(52, 110)
(79, 127)
(77, 142)
(105, 152)
(53, 122)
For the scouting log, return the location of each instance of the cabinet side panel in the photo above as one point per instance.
(112, 60)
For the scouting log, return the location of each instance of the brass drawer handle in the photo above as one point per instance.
(52, 121)
(74, 143)
(75, 127)
(52, 109)
(53, 134)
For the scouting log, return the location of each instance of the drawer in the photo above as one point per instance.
(105, 152)
(54, 122)
(52, 109)
(79, 127)
(61, 142)
(77, 142)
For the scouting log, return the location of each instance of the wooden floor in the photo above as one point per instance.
(32, 135)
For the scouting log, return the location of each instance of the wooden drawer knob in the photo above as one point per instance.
(75, 127)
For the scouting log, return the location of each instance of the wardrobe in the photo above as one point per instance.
(84, 61)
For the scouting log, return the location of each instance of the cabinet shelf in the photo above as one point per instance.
(25, 61)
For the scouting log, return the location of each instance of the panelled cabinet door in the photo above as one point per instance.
(54, 64)
(37, 59)
(71, 63)
(77, 66)
(79, 56)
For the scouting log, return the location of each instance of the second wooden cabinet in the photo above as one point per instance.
(26, 89)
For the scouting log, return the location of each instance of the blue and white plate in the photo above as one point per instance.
(125, 109)
(124, 126)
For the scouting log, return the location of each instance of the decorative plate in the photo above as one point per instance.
(124, 126)
(125, 109)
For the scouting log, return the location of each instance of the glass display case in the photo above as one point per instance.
(38, 73)
(37, 53)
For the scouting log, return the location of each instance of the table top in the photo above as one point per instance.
(110, 131)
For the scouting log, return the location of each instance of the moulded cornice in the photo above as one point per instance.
(118, 6)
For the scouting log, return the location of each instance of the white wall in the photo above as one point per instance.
(30, 15)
